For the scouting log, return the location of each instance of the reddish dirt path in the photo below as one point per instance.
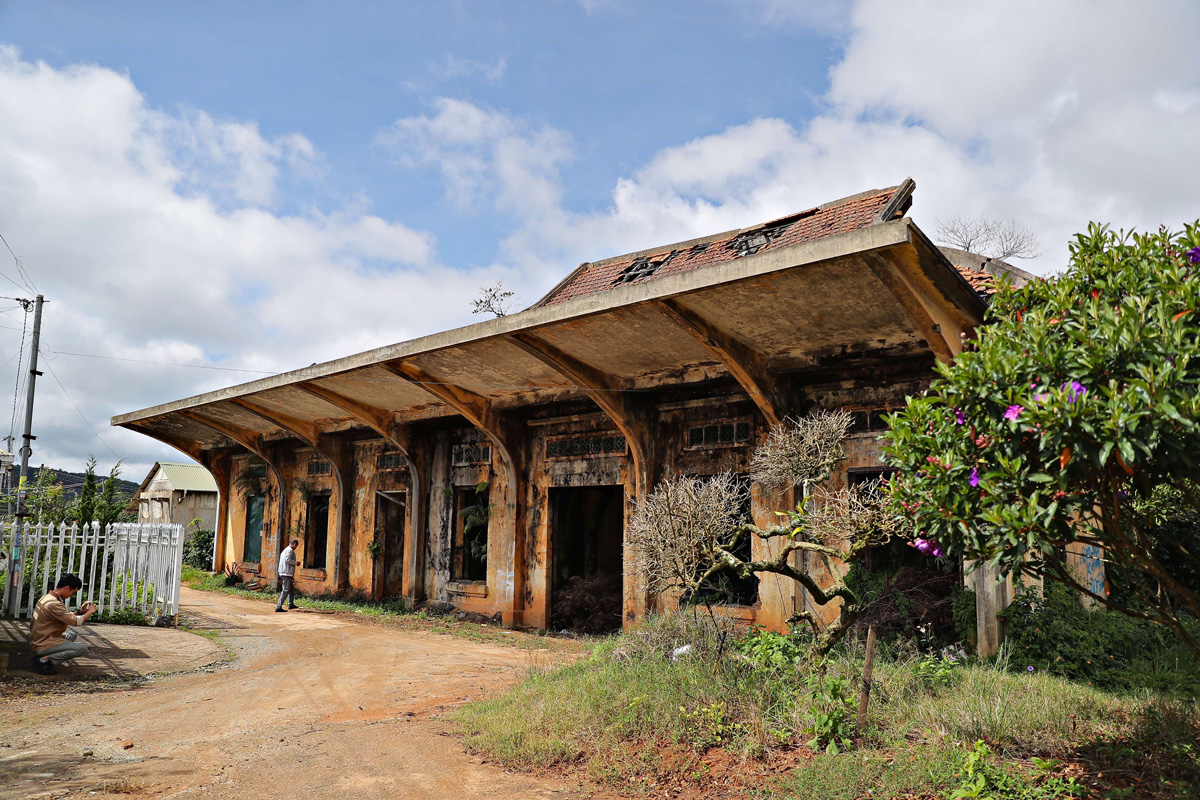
(315, 706)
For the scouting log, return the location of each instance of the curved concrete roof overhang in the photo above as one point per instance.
(885, 288)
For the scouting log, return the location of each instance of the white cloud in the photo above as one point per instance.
(1052, 114)
(486, 157)
(153, 238)
(156, 235)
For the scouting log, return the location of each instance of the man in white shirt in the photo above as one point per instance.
(287, 576)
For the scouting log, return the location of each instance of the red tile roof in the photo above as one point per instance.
(982, 282)
(842, 216)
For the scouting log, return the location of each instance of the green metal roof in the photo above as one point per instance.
(188, 477)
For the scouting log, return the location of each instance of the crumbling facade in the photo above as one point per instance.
(493, 467)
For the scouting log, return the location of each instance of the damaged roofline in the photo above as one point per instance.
(874, 237)
(712, 237)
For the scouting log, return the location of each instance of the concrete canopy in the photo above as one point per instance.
(881, 289)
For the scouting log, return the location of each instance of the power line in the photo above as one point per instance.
(81, 415)
(20, 269)
(17, 387)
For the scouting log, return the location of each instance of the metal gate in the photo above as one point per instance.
(126, 565)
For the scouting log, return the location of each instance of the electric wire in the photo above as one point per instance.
(81, 415)
(20, 270)
(17, 385)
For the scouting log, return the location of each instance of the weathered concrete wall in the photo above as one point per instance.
(522, 563)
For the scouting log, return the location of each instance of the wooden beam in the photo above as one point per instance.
(475, 407)
(916, 294)
(383, 422)
(252, 441)
(747, 366)
(310, 432)
(191, 449)
(609, 392)
(333, 452)
(506, 437)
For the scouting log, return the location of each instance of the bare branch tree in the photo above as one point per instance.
(801, 453)
(494, 300)
(1000, 239)
(688, 530)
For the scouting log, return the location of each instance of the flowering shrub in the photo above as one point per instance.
(1080, 396)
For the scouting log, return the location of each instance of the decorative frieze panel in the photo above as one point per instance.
(592, 445)
(390, 461)
(471, 453)
(719, 433)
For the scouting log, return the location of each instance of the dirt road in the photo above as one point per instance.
(315, 706)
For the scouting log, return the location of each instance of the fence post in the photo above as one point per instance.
(104, 559)
(62, 543)
(71, 551)
(177, 582)
(10, 560)
(118, 600)
(83, 561)
(37, 557)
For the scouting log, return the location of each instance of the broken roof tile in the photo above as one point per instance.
(835, 218)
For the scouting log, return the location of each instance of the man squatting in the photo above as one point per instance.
(52, 642)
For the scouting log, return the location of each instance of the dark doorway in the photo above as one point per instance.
(389, 533)
(468, 548)
(587, 526)
(317, 534)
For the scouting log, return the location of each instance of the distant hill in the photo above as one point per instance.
(72, 482)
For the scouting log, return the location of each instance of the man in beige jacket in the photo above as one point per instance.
(52, 642)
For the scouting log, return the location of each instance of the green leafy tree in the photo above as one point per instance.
(45, 500)
(113, 504)
(1060, 422)
(85, 506)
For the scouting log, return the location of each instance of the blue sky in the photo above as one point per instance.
(621, 80)
(245, 188)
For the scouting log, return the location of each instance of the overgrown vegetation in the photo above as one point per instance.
(642, 712)
(1077, 405)
(97, 501)
(688, 530)
(122, 616)
(1055, 634)
(198, 548)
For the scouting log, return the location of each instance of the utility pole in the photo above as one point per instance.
(27, 446)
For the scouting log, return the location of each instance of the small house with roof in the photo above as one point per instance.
(177, 494)
(493, 467)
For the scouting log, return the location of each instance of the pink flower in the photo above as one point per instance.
(1075, 391)
(928, 547)
(1012, 412)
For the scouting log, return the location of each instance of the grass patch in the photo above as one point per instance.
(633, 712)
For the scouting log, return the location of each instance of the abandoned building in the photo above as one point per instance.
(493, 466)
(179, 494)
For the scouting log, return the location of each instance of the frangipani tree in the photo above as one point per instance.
(1077, 404)
(689, 529)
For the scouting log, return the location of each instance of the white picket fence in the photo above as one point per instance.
(126, 565)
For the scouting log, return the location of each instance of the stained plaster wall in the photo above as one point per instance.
(366, 573)
(525, 505)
